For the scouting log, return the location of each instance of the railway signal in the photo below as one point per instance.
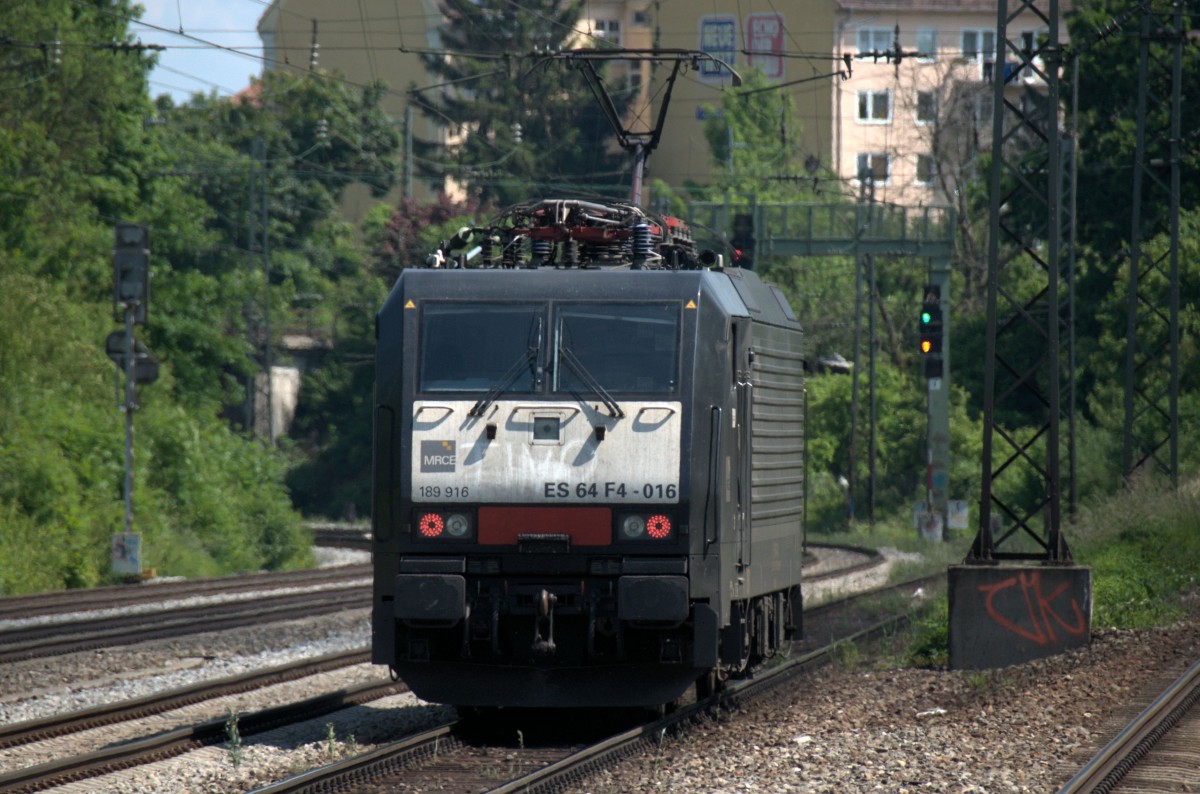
(131, 296)
(145, 365)
(131, 270)
(931, 326)
(743, 240)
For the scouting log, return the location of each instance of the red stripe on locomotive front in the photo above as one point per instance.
(587, 526)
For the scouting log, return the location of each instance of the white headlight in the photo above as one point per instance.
(633, 527)
(457, 525)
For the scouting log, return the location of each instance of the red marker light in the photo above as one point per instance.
(431, 525)
(658, 527)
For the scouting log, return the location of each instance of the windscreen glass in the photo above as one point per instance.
(623, 347)
(476, 347)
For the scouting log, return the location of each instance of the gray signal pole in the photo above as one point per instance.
(937, 482)
(131, 298)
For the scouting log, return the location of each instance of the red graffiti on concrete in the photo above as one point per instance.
(1042, 614)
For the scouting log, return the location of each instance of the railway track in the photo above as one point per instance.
(1158, 751)
(156, 747)
(16, 734)
(169, 743)
(454, 757)
(124, 597)
(147, 612)
(52, 639)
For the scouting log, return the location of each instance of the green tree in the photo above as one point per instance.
(518, 126)
(1108, 87)
(754, 140)
(73, 144)
(281, 154)
(79, 150)
(333, 419)
(900, 446)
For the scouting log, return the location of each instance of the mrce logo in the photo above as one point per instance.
(437, 456)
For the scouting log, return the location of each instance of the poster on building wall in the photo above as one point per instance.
(718, 37)
(764, 44)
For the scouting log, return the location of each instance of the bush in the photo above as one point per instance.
(206, 501)
(1143, 546)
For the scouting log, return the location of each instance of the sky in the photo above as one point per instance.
(189, 66)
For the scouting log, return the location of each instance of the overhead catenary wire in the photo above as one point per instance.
(194, 41)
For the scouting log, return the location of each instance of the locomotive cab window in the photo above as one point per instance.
(631, 347)
(473, 347)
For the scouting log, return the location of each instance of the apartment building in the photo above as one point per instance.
(789, 42)
(917, 125)
(382, 39)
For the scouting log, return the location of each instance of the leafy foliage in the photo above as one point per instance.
(80, 150)
(334, 416)
(1143, 546)
(754, 141)
(519, 124)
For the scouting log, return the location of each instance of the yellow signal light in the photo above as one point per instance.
(926, 345)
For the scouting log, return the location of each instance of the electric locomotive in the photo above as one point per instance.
(588, 464)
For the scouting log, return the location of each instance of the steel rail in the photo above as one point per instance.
(59, 601)
(27, 732)
(380, 762)
(874, 559)
(50, 640)
(182, 740)
(1119, 756)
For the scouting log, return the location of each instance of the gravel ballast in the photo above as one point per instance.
(1026, 728)
(848, 728)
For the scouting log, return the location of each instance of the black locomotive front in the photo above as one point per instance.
(587, 481)
(532, 486)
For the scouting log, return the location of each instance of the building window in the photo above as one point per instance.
(925, 169)
(926, 107)
(875, 39)
(641, 19)
(635, 77)
(875, 106)
(875, 167)
(926, 44)
(1031, 41)
(979, 46)
(608, 29)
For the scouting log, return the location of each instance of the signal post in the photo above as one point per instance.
(131, 299)
(933, 322)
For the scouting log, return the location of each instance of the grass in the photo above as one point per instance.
(233, 738)
(1142, 545)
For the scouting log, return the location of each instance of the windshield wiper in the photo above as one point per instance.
(530, 358)
(575, 365)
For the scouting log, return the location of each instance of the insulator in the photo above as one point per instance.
(643, 245)
(540, 251)
(487, 254)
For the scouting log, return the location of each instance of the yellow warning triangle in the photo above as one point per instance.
(410, 304)
(690, 305)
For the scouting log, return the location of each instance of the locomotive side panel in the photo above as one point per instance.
(777, 485)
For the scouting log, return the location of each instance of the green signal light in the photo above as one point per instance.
(926, 317)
